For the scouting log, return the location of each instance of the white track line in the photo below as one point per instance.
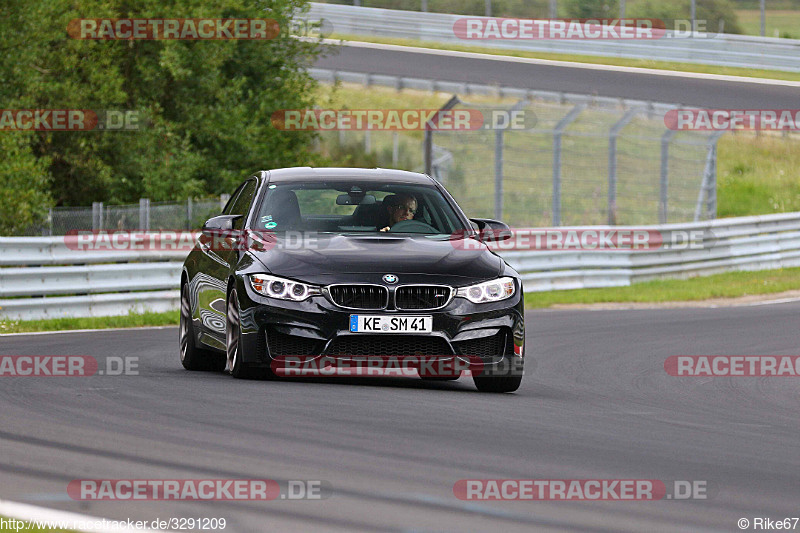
(569, 64)
(83, 523)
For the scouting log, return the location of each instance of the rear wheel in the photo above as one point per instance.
(192, 357)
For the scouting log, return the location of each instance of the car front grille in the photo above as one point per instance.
(366, 297)
(421, 297)
(484, 347)
(389, 345)
(281, 344)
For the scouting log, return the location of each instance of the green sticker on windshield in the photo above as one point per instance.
(270, 225)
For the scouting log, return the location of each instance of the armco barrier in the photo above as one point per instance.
(721, 49)
(41, 277)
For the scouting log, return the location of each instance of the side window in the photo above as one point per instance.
(241, 204)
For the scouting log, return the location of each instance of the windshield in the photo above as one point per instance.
(357, 207)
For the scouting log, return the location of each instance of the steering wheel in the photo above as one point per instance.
(413, 226)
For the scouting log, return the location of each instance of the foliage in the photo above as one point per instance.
(204, 107)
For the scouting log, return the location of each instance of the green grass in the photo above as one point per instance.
(132, 320)
(779, 23)
(727, 285)
(600, 60)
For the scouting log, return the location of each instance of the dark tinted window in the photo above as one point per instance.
(241, 203)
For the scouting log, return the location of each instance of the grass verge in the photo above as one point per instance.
(779, 23)
(727, 285)
(577, 58)
(132, 320)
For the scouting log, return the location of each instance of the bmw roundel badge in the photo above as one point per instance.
(390, 278)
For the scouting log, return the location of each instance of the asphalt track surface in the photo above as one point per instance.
(598, 406)
(707, 93)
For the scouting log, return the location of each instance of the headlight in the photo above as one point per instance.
(489, 291)
(283, 289)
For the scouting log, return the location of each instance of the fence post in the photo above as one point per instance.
(144, 214)
(367, 142)
(664, 187)
(428, 143)
(557, 132)
(488, 8)
(189, 212)
(97, 216)
(223, 200)
(395, 148)
(612, 163)
(708, 186)
(498, 174)
(50, 220)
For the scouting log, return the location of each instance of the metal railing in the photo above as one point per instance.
(580, 159)
(719, 49)
(86, 284)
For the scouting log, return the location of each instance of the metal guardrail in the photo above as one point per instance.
(149, 280)
(721, 49)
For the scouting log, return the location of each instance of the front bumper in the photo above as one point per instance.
(494, 332)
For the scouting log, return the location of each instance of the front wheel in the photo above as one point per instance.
(506, 379)
(233, 345)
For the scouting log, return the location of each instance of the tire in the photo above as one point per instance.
(192, 357)
(500, 383)
(233, 332)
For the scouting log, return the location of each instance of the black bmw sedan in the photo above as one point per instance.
(341, 264)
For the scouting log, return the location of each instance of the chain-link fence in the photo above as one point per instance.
(145, 215)
(578, 164)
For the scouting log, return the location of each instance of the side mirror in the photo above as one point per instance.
(219, 224)
(492, 230)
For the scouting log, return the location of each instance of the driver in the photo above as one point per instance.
(401, 207)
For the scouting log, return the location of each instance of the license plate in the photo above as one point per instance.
(390, 324)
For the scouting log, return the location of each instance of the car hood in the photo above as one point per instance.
(331, 258)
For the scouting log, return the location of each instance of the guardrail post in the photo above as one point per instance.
(664, 185)
(557, 132)
(612, 163)
(50, 220)
(144, 214)
(97, 216)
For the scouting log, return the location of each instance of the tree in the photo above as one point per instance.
(203, 107)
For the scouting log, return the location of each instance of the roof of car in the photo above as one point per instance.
(322, 174)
